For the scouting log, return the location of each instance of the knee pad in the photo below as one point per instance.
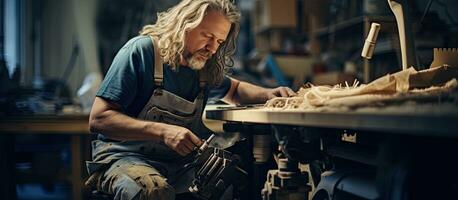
(155, 187)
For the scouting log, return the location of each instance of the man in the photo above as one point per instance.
(148, 114)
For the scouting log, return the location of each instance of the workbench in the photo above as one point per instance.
(391, 138)
(428, 119)
(74, 125)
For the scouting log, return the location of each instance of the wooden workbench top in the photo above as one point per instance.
(428, 120)
(51, 124)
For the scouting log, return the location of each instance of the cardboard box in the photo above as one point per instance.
(314, 14)
(271, 43)
(292, 66)
(274, 14)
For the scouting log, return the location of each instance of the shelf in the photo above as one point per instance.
(351, 23)
(389, 45)
(265, 31)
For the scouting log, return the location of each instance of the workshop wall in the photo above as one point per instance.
(330, 36)
(66, 25)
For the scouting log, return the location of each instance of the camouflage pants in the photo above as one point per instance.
(133, 178)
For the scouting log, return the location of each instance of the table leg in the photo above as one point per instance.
(7, 183)
(76, 168)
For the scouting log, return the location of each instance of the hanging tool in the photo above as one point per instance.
(401, 13)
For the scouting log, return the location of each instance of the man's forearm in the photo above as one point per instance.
(248, 93)
(118, 126)
(245, 93)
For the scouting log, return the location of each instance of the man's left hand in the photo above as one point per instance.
(279, 92)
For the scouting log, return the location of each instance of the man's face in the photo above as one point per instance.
(203, 41)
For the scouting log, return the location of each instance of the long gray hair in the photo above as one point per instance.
(172, 25)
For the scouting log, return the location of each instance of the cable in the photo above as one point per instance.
(428, 6)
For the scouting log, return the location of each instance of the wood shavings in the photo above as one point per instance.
(391, 87)
(285, 102)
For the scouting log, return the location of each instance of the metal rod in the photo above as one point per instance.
(401, 13)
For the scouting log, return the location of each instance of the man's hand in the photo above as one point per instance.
(180, 139)
(242, 92)
(279, 92)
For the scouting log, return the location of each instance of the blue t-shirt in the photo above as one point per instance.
(130, 79)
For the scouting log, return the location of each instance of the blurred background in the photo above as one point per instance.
(54, 54)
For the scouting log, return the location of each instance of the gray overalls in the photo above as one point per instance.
(137, 169)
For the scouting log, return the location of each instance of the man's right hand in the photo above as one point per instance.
(180, 139)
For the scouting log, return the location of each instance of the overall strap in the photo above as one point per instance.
(158, 67)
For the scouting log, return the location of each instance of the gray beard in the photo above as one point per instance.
(195, 63)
